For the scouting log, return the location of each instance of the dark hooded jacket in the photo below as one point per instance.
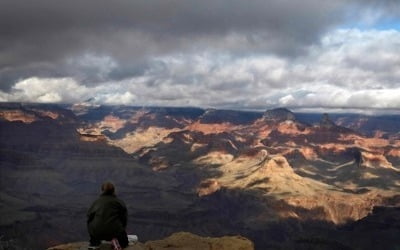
(107, 217)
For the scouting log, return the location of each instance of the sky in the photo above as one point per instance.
(230, 54)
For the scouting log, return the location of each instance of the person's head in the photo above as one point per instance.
(108, 188)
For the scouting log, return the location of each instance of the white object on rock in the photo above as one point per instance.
(132, 238)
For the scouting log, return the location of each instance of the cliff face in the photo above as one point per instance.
(180, 240)
(318, 167)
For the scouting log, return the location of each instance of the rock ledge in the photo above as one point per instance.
(181, 241)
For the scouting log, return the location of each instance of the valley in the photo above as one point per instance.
(279, 178)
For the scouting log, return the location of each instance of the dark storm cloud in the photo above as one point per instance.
(41, 32)
(390, 7)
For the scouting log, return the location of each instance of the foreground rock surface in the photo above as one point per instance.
(181, 241)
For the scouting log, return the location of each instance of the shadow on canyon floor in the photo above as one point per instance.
(48, 178)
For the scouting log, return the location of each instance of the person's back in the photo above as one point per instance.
(107, 218)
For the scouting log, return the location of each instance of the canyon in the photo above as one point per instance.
(284, 180)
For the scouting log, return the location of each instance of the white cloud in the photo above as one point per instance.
(49, 97)
(47, 90)
(287, 100)
(349, 68)
(4, 97)
(336, 97)
(117, 98)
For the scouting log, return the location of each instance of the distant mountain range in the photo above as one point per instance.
(285, 180)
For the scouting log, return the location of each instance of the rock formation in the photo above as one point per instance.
(266, 176)
(180, 240)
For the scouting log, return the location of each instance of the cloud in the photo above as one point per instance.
(47, 90)
(116, 98)
(329, 97)
(349, 68)
(212, 53)
(41, 38)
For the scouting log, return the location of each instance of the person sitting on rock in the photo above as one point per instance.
(107, 218)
